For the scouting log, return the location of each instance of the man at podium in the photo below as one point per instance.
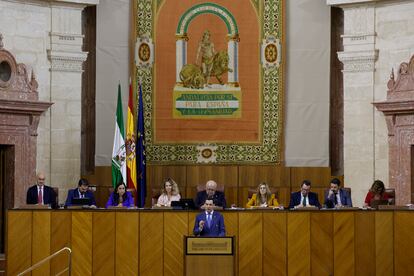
(210, 223)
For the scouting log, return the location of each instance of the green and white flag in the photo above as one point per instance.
(119, 151)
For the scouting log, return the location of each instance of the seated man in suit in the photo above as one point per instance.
(210, 193)
(337, 197)
(304, 198)
(40, 193)
(209, 223)
(81, 192)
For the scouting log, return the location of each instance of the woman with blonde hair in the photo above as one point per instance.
(169, 192)
(263, 197)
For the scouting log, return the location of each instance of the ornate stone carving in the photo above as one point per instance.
(358, 61)
(66, 54)
(399, 115)
(20, 113)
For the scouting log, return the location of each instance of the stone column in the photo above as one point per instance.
(180, 55)
(66, 59)
(359, 58)
(233, 52)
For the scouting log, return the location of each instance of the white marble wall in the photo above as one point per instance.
(378, 37)
(46, 35)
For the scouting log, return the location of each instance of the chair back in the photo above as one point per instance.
(56, 190)
(155, 194)
(391, 195)
(202, 187)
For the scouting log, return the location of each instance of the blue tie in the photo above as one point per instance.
(208, 220)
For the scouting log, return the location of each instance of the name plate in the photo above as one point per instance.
(209, 246)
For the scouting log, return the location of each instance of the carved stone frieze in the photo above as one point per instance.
(358, 61)
(66, 54)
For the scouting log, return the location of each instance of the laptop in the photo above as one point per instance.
(183, 204)
(81, 201)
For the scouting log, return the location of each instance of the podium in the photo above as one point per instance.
(209, 256)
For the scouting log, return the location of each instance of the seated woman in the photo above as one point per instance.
(377, 192)
(263, 197)
(169, 192)
(120, 197)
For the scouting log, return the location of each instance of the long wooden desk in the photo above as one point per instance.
(124, 242)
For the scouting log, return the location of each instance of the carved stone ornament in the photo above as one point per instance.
(71, 58)
(358, 61)
(20, 113)
(399, 115)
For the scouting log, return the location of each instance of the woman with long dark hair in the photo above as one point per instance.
(120, 197)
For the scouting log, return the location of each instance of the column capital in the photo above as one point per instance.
(358, 61)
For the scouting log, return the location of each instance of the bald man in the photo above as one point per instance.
(210, 193)
(40, 193)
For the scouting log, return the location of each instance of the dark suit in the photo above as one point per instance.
(218, 199)
(216, 228)
(49, 196)
(345, 199)
(74, 193)
(295, 199)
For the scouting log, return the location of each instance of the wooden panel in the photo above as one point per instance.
(191, 222)
(243, 196)
(343, 239)
(284, 196)
(82, 243)
(365, 243)
(151, 243)
(250, 243)
(231, 195)
(209, 265)
(61, 223)
(103, 257)
(321, 194)
(298, 231)
(321, 243)
(127, 243)
(223, 175)
(231, 221)
(19, 245)
(404, 243)
(319, 176)
(156, 174)
(41, 241)
(274, 243)
(384, 243)
(101, 195)
(274, 176)
(176, 227)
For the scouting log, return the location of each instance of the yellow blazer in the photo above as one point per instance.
(272, 202)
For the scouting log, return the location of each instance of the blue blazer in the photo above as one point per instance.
(49, 196)
(216, 229)
(74, 193)
(218, 199)
(295, 199)
(345, 199)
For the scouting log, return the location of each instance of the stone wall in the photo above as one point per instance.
(377, 37)
(47, 36)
